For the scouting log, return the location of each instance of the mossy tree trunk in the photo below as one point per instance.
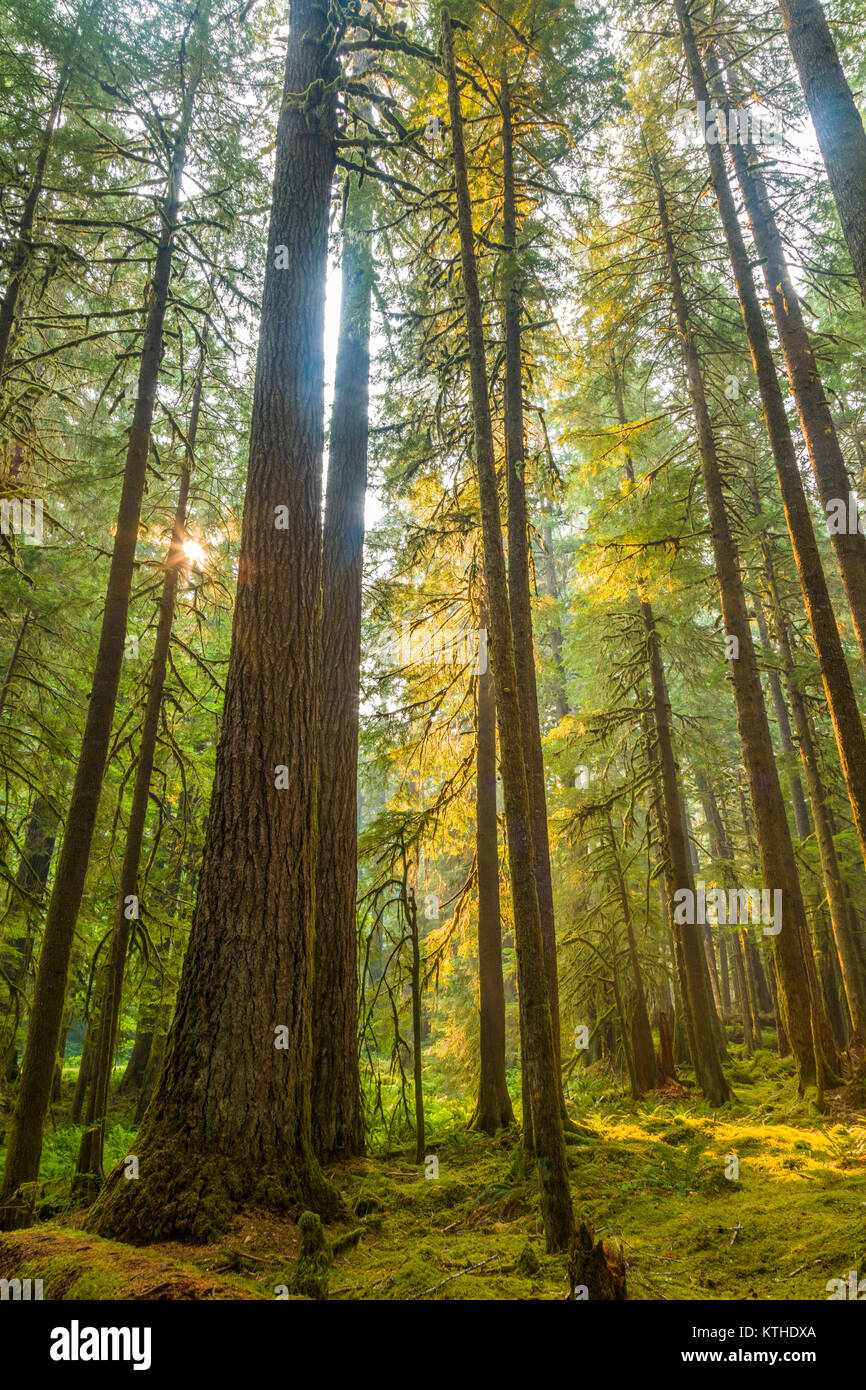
(518, 565)
(543, 1077)
(494, 1109)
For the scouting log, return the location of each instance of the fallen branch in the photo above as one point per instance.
(460, 1272)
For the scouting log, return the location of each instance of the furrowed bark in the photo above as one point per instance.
(230, 1123)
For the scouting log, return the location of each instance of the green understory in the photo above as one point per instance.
(654, 1177)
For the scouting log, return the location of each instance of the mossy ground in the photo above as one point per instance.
(650, 1176)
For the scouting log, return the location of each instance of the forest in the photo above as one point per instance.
(432, 651)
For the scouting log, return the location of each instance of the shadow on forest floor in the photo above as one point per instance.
(657, 1177)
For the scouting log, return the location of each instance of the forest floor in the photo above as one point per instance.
(654, 1177)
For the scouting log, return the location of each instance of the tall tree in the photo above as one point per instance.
(838, 124)
(494, 1110)
(127, 909)
(777, 852)
(841, 699)
(545, 1089)
(518, 561)
(230, 1123)
(336, 1100)
(37, 1073)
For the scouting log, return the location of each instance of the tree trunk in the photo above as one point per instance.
(825, 453)
(644, 1075)
(847, 724)
(835, 117)
(337, 1122)
(25, 1143)
(774, 838)
(230, 1121)
(544, 1080)
(518, 571)
(691, 962)
(31, 877)
(848, 948)
(127, 909)
(494, 1110)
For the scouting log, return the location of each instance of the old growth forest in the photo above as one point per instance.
(433, 650)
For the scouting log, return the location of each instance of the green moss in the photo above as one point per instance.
(94, 1283)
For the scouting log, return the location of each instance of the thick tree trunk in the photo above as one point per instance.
(774, 838)
(25, 1143)
(230, 1121)
(494, 1110)
(837, 121)
(337, 1122)
(543, 1076)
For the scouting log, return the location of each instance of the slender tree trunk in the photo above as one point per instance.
(825, 453)
(845, 715)
(774, 838)
(691, 962)
(31, 877)
(25, 1143)
(22, 246)
(848, 947)
(547, 570)
(518, 570)
(231, 1123)
(12, 666)
(837, 121)
(494, 1110)
(411, 910)
(127, 907)
(747, 1012)
(643, 1065)
(544, 1080)
(704, 1035)
(337, 1119)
